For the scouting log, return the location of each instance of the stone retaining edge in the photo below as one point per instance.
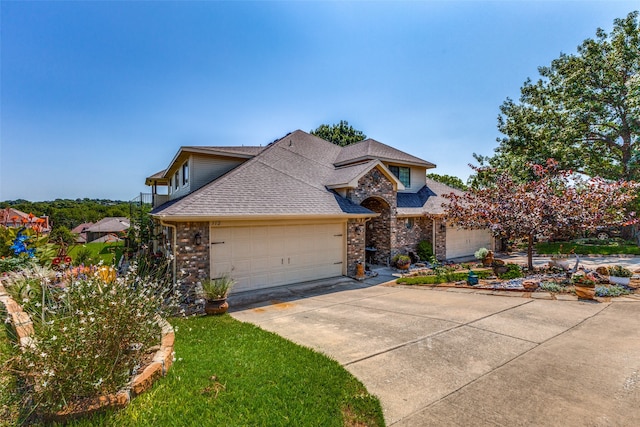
(162, 361)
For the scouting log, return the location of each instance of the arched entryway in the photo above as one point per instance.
(378, 232)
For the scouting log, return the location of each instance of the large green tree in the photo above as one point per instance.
(341, 134)
(584, 111)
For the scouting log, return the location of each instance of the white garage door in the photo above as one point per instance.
(273, 255)
(462, 243)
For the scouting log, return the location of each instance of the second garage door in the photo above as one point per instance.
(274, 255)
(463, 243)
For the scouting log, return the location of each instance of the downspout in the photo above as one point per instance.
(174, 241)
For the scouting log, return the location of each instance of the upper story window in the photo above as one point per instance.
(403, 174)
(176, 180)
(185, 173)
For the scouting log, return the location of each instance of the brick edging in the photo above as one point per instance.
(159, 367)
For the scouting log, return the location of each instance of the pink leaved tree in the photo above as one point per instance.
(555, 201)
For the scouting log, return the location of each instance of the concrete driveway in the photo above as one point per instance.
(449, 357)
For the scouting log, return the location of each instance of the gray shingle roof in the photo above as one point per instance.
(372, 149)
(288, 178)
(428, 200)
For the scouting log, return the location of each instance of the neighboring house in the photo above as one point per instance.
(107, 226)
(300, 209)
(10, 217)
(80, 232)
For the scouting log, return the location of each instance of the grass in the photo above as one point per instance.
(235, 374)
(9, 404)
(608, 247)
(106, 252)
(443, 278)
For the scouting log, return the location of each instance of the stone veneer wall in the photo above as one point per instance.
(193, 261)
(376, 187)
(407, 239)
(441, 240)
(355, 245)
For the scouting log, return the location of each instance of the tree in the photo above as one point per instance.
(584, 111)
(451, 181)
(554, 201)
(341, 134)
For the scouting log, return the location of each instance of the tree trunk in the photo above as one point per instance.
(530, 252)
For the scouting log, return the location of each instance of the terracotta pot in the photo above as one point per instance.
(216, 306)
(585, 292)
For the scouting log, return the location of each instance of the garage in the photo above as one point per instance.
(262, 256)
(463, 243)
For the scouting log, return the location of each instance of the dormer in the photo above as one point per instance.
(411, 171)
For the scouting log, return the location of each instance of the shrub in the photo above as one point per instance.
(90, 336)
(399, 260)
(481, 253)
(442, 278)
(424, 250)
(619, 271)
(514, 271)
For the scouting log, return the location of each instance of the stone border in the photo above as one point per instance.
(159, 367)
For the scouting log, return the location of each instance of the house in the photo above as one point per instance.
(14, 218)
(299, 209)
(107, 229)
(80, 231)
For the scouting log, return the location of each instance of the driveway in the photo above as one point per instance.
(448, 357)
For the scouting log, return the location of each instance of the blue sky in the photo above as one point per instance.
(95, 96)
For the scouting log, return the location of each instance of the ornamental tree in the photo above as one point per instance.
(556, 200)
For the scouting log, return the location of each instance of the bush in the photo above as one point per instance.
(90, 336)
(552, 287)
(399, 260)
(481, 253)
(514, 271)
(424, 250)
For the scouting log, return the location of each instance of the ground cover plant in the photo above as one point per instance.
(235, 374)
(589, 247)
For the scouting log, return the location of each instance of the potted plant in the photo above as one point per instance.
(620, 275)
(402, 262)
(585, 286)
(215, 292)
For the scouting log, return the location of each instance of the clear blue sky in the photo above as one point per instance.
(95, 96)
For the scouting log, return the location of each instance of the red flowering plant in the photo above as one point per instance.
(584, 280)
(554, 201)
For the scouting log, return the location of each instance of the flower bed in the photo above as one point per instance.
(83, 341)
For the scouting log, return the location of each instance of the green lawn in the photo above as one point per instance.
(607, 247)
(106, 252)
(230, 373)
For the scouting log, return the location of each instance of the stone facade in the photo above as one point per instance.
(411, 231)
(440, 246)
(192, 259)
(355, 245)
(375, 192)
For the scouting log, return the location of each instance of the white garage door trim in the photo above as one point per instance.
(463, 243)
(263, 256)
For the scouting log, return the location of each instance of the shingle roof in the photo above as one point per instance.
(232, 150)
(372, 149)
(428, 200)
(110, 225)
(288, 178)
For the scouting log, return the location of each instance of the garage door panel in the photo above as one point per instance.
(461, 243)
(265, 256)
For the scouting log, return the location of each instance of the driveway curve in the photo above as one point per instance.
(447, 356)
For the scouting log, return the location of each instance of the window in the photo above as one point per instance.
(403, 174)
(176, 180)
(185, 173)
